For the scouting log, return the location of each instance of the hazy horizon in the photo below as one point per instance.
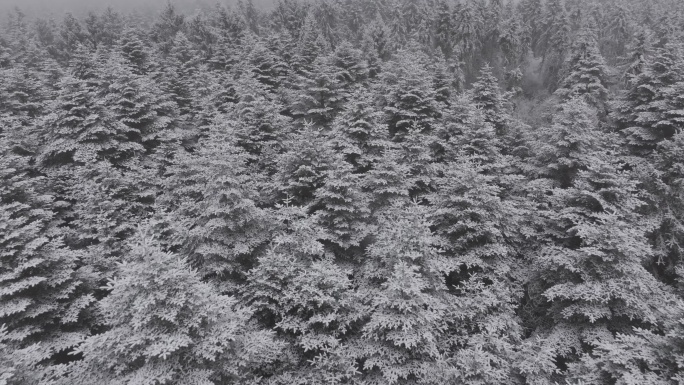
(78, 7)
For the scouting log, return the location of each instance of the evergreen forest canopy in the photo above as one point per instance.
(344, 192)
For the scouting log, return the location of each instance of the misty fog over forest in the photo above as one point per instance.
(57, 8)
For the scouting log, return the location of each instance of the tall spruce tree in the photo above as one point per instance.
(661, 177)
(210, 208)
(45, 290)
(590, 267)
(554, 42)
(299, 290)
(71, 35)
(409, 98)
(133, 50)
(268, 68)
(532, 17)
(444, 28)
(618, 31)
(359, 132)
(137, 103)
(468, 34)
(476, 223)
(639, 112)
(180, 76)
(312, 42)
(585, 73)
(303, 166)
(638, 49)
(166, 325)
(350, 66)
(23, 95)
(258, 123)
(342, 206)
(319, 94)
(487, 96)
(376, 40)
(644, 356)
(82, 130)
(408, 304)
(168, 24)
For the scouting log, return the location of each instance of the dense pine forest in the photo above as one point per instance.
(344, 192)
